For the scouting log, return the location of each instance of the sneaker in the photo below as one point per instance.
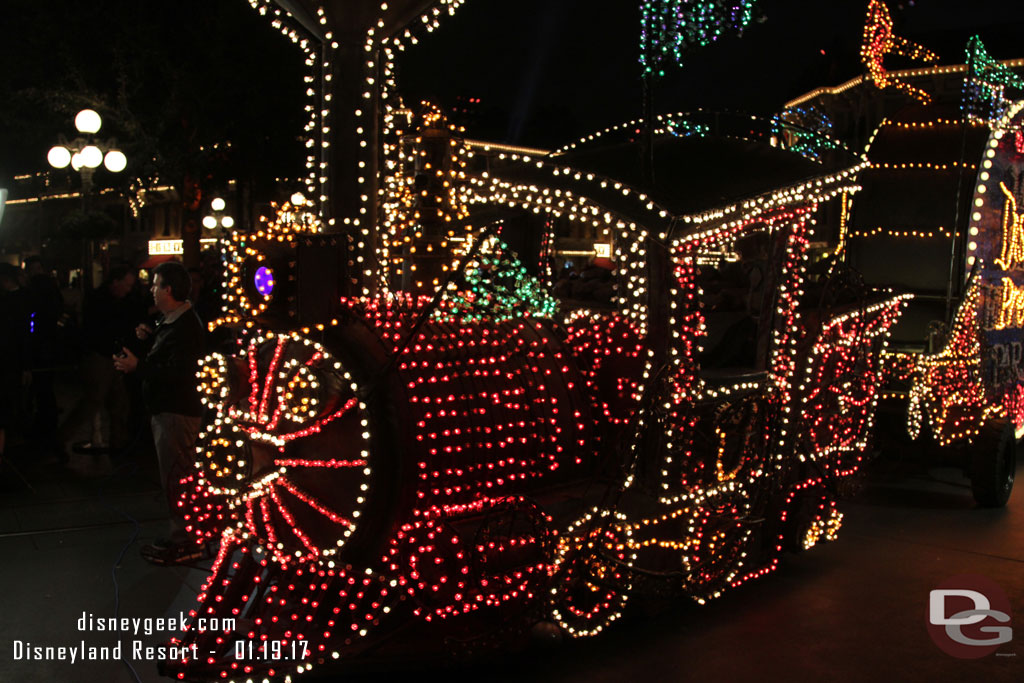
(172, 554)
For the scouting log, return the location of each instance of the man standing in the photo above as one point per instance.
(108, 319)
(168, 374)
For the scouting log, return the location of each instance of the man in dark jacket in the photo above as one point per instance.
(108, 320)
(168, 374)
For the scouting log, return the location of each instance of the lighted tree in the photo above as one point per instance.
(496, 286)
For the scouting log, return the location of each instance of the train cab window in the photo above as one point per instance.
(734, 301)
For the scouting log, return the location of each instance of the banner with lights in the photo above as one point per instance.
(996, 252)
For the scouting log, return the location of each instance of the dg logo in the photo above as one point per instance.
(969, 616)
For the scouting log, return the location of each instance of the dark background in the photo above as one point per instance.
(171, 76)
(548, 71)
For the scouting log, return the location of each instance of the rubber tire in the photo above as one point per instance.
(993, 465)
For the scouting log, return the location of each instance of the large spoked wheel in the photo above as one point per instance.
(288, 448)
(993, 465)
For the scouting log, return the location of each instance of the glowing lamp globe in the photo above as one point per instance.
(76, 161)
(91, 156)
(298, 199)
(59, 156)
(227, 222)
(209, 222)
(115, 161)
(217, 204)
(264, 281)
(88, 121)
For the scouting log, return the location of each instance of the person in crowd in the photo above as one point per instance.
(744, 291)
(595, 283)
(167, 372)
(201, 298)
(562, 288)
(109, 321)
(45, 307)
(13, 374)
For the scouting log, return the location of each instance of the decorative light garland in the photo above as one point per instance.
(985, 84)
(879, 41)
(669, 28)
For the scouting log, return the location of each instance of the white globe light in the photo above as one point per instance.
(88, 121)
(91, 156)
(115, 161)
(298, 199)
(217, 204)
(76, 161)
(209, 222)
(227, 222)
(59, 156)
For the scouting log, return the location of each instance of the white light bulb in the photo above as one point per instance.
(88, 121)
(91, 156)
(115, 161)
(59, 156)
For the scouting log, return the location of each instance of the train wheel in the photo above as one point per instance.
(589, 569)
(993, 465)
(287, 447)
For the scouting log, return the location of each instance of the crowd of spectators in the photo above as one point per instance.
(59, 389)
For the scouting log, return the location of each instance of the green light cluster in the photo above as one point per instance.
(496, 287)
(807, 132)
(985, 84)
(682, 128)
(668, 28)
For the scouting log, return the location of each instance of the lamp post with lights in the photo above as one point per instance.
(217, 218)
(84, 155)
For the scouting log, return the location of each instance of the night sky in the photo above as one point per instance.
(549, 70)
(169, 75)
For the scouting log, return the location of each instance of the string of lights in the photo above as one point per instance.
(985, 84)
(670, 28)
(879, 42)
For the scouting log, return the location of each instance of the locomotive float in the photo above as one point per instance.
(466, 461)
(413, 441)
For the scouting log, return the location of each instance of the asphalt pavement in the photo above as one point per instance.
(851, 610)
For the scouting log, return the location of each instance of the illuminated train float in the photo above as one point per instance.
(454, 461)
(415, 449)
(955, 367)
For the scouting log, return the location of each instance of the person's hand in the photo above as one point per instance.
(127, 361)
(143, 331)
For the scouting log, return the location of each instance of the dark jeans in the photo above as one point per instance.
(102, 387)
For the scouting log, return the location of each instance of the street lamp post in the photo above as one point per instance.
(217, 217)
(85, 154)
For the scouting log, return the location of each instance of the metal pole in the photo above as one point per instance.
(647, 133)
(953, 270)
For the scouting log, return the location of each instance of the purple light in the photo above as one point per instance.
(264, 281)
